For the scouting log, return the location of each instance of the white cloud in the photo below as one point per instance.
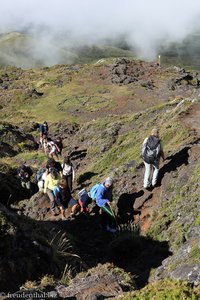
(144, 22)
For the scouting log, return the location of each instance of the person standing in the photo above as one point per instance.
(68, 172)
(152, 151)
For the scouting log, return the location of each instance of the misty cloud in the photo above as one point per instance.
(144, 25)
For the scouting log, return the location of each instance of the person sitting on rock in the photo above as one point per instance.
(50, 183)
(63, 198)
(25, 173)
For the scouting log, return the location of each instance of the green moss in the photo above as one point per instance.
(102, 269)
(194, 255)
(21, 145)
(197, 221)
(165, 290)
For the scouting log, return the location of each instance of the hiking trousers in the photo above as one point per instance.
(51, 198)
(151, 174)
(69, 181)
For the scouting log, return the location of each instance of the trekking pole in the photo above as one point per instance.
(113, 214)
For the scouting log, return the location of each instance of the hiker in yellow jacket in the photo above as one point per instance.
(51, 181)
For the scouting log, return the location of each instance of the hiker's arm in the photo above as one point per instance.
(109, 203)
(143, 147)
(101, 201)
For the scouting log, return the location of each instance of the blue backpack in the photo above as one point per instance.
(93, 191)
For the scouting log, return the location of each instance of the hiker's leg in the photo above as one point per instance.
(56, 155)
(147, 175)
(41, 185)
(73, 205)
(62, 210)
(110, 218)
(51, 198)
(155, 173)
(69, 181)
(81, 204)
(103, 219)
(74, 209)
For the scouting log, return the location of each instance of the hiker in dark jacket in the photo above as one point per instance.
(24, 173)
(152, 151)
(103, 201)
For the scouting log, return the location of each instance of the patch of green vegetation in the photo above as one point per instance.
(170, 188)
(37, 158)
(100, 269)
(167, 223)
(159, 225)
(22, 146)
(197, 221)
(165, 290)
(47, 280)
(194, 255)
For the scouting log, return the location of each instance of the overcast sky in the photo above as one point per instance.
(144, 22)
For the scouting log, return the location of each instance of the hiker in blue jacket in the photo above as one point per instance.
(43, 129)
(103, 201)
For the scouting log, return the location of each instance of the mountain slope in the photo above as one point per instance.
(103, 111)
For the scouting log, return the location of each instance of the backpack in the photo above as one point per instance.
(152, 150)
(39, 174)
(83, 195)
(93, 191)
